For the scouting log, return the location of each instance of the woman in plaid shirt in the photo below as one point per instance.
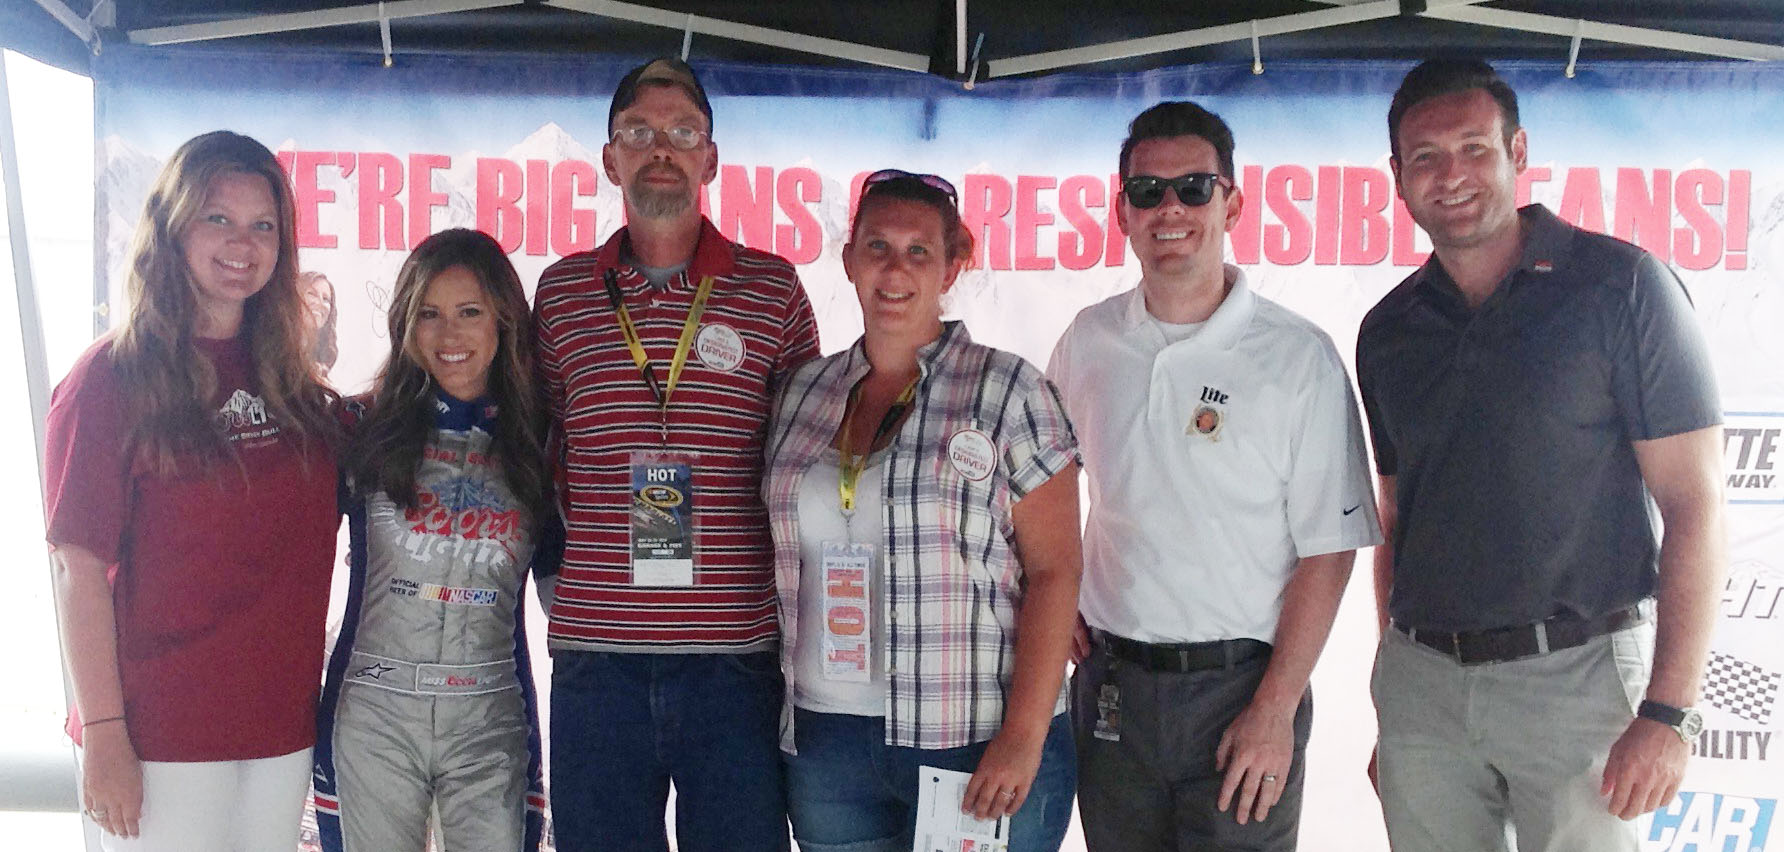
(923, 495)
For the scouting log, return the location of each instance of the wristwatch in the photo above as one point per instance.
(1685, 721)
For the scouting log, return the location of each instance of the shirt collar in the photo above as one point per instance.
(1548, 243)
(1224, 327)
(713, 255)
(456, 415)
(953, 336)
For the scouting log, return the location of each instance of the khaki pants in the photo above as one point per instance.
(1507, 755)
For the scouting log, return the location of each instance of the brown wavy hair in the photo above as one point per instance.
(385, 453)
(171, 383)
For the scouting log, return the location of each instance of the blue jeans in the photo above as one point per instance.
(624, 725)
(850, 792)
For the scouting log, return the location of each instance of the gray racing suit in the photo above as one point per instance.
(428, 698)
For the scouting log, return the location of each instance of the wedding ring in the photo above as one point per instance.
(1269, 779)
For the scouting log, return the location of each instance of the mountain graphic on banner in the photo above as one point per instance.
(1742, 688)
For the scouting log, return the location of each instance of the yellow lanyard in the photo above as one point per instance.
(852, 465)
(682, 346)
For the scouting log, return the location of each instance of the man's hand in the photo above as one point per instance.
(1080, 642)
(1644, 769)
(1255, 754)
(1373, 770)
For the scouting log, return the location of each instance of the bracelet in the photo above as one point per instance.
(85, 725)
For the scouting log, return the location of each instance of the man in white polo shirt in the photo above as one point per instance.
(1229, 491)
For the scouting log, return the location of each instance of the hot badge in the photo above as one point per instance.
(847, 631)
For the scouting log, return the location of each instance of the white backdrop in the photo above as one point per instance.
(1679, 158)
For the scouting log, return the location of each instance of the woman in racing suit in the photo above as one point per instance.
(429, 700)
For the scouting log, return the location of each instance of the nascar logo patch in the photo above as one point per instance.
(457, 595)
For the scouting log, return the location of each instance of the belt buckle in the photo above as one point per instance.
(1183, 659)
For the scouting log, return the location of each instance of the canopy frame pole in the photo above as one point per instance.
(1257, 55)
(81, 27)
(285, 22)
(833, 48)
(1573, 49)
(972, 78)
(1614, 33)
(37, 383)
(384, 32)
(960, 37)
(1128, 48)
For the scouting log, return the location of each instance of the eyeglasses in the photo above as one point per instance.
(643, 137)
(931, 181)
(1194, 189)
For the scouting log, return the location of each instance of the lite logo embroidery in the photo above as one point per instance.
(1207, 419)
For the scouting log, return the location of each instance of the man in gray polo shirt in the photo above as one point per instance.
(1534, 393)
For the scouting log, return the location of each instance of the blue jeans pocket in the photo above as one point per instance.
(758, 664)
(1041, 824)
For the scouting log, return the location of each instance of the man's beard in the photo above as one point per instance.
(659, 202)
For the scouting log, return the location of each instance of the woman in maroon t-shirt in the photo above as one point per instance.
(190, 489)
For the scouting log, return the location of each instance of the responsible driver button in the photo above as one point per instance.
(719, 347)
(972, 454)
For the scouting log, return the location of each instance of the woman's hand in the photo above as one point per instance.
(111, 775)
(1046, 522)
(111, 778)
(1004, 776)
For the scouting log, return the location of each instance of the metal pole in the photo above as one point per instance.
(37, 381)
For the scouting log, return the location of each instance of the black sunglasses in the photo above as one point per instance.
(931, 181)
(1194, 189)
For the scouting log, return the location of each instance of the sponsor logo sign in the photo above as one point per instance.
(1710, 822)
(1742, 688)
(1752, 452)
(1732, 744)
(1754, 590)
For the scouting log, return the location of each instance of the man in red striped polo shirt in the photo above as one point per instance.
(661, 351)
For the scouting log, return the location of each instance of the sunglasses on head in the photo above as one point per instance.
(1194, 189)
(931, 181)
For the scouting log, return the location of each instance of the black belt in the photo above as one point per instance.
(1503, 644)
(1186, 657)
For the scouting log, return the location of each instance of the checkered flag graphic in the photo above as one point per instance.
(1741, 688)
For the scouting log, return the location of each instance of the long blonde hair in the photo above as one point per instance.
(171, 382)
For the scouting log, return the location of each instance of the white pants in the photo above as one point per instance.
(218, 806)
